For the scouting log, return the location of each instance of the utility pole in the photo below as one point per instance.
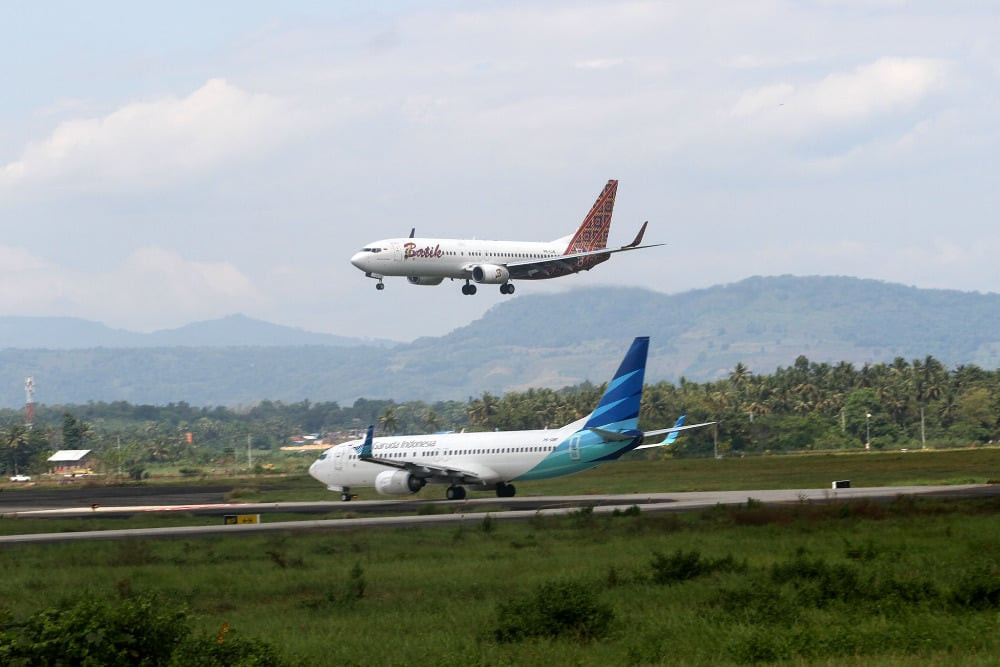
(249, 454)
(868, 431)
(923, 437)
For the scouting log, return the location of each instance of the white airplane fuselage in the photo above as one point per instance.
(491, 456)
(450, 258)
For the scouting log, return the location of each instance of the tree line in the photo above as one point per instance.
(806, 406)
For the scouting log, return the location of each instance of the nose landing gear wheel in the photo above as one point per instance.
(380, 286)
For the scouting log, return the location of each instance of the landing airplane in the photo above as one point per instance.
(401, 465)
(427, 261)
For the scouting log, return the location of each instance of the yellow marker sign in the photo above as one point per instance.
(240, 518)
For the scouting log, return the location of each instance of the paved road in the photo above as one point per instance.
(468, 511)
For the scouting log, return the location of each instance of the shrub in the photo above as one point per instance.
(630, 511)
(682, 566)
(138, 630)
(583, 517)
(817, 582)
(556, 609)
(978, 591)
(343, 593)
(225, 649)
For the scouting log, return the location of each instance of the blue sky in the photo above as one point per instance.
(170, 164)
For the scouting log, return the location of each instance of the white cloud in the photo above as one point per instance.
(883, 87)
(146, 145)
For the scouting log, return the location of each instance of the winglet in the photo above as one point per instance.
(619, 406)
(638, 237)
(366, 447)
(414, 229)
(669, 440)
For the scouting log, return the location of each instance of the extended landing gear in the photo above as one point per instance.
(455, 493)
(505, 490)
(346, 496)
(468, 288)
(380, 286)
(507, 288)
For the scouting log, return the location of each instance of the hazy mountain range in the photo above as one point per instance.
(549, 340)
(72, 333)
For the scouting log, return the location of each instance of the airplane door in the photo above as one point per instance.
(338, 458)
(574, 448)
(397, 252)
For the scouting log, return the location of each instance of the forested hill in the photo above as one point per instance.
(550, 340)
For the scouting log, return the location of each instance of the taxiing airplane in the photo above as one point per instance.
(401, 465)
(427, 261)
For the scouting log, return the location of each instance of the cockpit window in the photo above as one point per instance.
(371, 250)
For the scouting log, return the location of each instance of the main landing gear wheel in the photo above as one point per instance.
(468, 288)
(505, 490)
(455, 493)
(507, 288)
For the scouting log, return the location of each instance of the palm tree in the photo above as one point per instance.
(739, 375)
(432, 421)
(14, 439)
(483, 411)
(388, 421)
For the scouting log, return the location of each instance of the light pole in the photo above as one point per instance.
(868, 431)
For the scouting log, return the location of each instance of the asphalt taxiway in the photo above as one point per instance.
(450, 512)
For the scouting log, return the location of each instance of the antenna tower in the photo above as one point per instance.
(29, 401)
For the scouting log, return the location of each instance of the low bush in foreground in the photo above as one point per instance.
(137, 630)
(554, 610)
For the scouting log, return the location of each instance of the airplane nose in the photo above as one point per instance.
(359, 260)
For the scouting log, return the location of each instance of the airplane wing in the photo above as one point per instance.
(532, 268)
(472, 474)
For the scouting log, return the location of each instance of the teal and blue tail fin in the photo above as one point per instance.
(366, 446)
(619, 406)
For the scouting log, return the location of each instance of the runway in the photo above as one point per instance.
(456, 512)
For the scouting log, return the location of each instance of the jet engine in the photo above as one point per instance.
(490, 274)
(397, 483)
(423, 280)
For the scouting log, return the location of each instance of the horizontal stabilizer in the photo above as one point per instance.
(674, 429)
(611, 436)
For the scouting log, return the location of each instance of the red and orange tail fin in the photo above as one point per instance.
(593, 233)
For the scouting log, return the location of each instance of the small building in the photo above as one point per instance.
(70, 462)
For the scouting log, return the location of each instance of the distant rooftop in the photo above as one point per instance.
(68, 455)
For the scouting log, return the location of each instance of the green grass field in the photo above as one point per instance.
(906, 582)
(912, 581)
